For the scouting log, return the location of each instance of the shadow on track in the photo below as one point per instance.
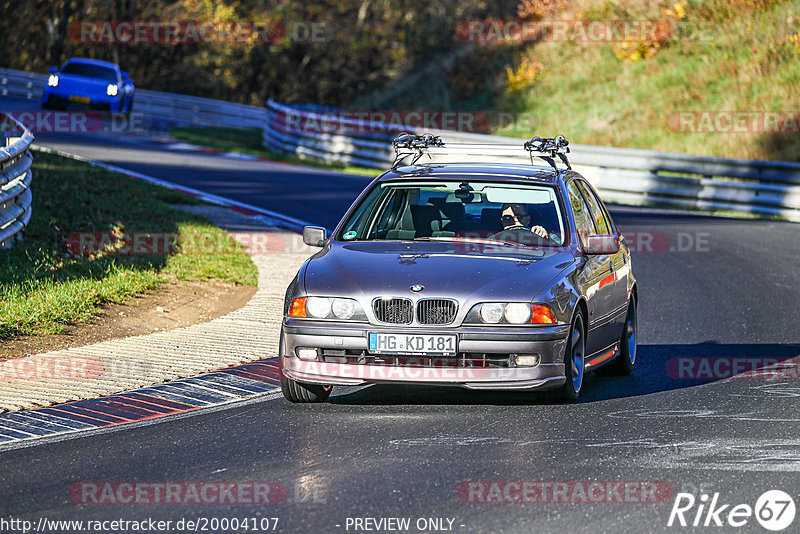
(659, 368)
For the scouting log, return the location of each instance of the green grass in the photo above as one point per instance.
(45, 285)
(591, 96)
(249, 141)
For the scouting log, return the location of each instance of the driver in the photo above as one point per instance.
(515, 216)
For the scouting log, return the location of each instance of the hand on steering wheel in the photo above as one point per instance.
(540, 231)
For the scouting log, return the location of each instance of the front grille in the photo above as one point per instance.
(395, 311)
(436, 311)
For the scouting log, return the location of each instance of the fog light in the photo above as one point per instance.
(527, 360)
(306, 354)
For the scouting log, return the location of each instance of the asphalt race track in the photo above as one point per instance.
(715, 288)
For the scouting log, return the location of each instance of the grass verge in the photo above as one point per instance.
(46, 282)
(725, 56)
(249, 141)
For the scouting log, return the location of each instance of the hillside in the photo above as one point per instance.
(674, 91)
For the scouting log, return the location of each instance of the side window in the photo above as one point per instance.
(600, 221)
(583, 219)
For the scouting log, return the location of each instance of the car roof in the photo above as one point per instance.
(501, 171)
(95, 62)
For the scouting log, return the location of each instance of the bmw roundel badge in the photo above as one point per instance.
(416, 288)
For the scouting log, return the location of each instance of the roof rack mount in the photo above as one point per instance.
(418, 145)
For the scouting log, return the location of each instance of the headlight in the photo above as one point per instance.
(491, 312)
(518, 313)
(343, 308)
(326, 308)
(318, 307)
(510, 313)
(52, 81)
(112, 89)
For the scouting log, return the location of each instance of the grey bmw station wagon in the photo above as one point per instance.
(480, 275)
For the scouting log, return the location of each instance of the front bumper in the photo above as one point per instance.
(548, 342)
(99, 101)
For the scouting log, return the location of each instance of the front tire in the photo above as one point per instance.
(623, 364)
(54, 103)
(574, 361)
(300, 392)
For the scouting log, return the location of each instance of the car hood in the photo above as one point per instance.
(81, 84)
(464, 271)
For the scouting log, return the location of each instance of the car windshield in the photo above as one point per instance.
(90, 71)
(512, 213)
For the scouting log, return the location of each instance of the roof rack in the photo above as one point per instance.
(417, 145)
(408, 144)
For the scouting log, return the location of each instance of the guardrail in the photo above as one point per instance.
(621, 175)
(180, 110)
(15, 180)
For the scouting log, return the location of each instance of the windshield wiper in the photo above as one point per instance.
(472, 240)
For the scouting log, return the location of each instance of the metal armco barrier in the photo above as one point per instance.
(621, 175)
(178, 109)
(15, 180)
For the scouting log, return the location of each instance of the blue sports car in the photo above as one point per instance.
(89, 83)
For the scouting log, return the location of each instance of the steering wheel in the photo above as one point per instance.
(520, 228)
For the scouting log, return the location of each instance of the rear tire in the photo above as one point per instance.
(574, 361)
(623, 364)
(300, 392)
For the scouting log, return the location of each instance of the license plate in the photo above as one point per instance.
(76, 98)
(425, 344)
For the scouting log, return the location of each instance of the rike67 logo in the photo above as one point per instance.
(774, 510)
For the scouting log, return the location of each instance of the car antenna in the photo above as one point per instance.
(408, 144)
(547, 148)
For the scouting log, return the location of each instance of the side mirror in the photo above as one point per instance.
(124, 74)
(602, 244)
(314, 236)
(52, 70)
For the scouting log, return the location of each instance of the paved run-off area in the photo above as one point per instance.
(247, 334)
